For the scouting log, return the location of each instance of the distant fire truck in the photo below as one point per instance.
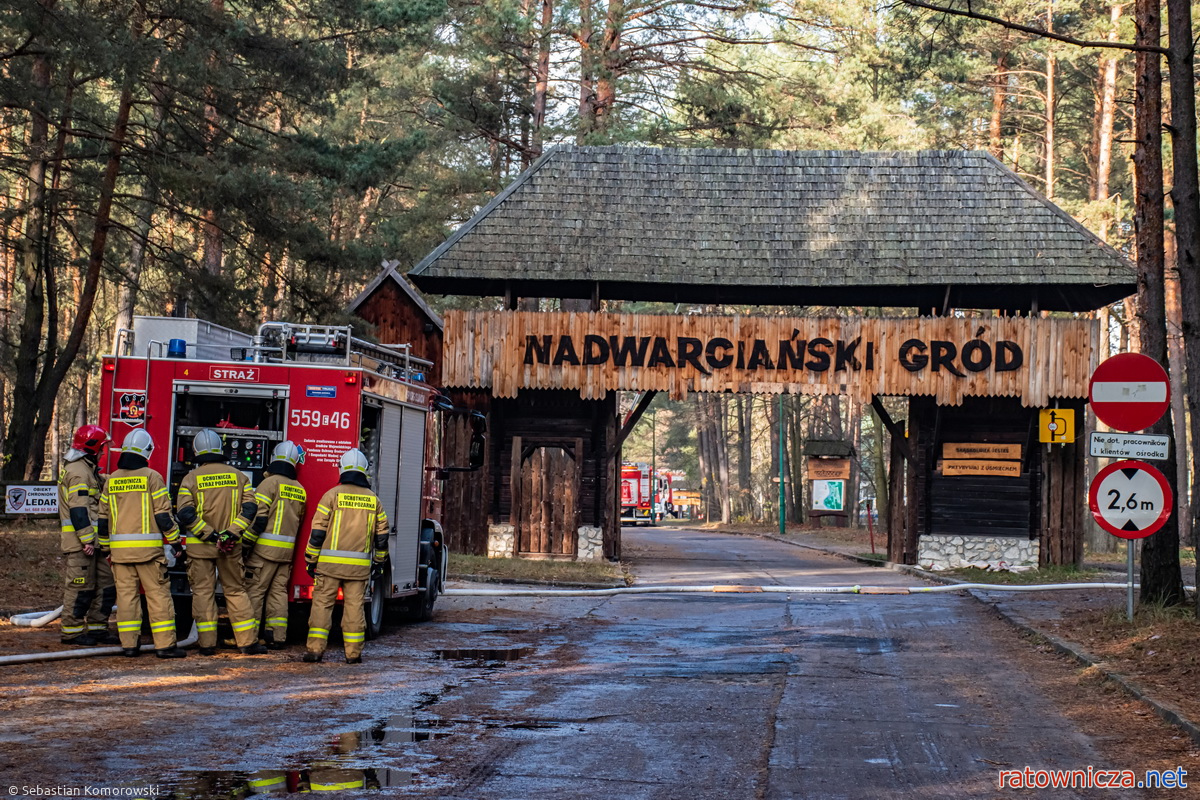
(636, 495)
(316, 385)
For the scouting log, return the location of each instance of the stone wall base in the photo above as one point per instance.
(502, 541)
(939, 551)
(591, 544)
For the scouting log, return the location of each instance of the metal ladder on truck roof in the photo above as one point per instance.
(336, 344)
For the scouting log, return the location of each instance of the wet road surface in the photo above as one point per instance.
(700, 696)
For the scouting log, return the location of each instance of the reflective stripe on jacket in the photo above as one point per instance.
(78, 487)
(129, 501)
(283, 502)
(356, 531)
(217, 492)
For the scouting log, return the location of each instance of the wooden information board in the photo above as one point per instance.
(949, 358)
(981, 450)
(1005, 469)
(828, 469)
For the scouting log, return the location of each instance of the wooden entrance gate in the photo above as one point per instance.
(545, 505)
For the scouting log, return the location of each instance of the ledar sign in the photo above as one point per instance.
(1130, 499)
(1129, 392)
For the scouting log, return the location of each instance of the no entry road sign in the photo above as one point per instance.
(1129, 392)
(1130, 499)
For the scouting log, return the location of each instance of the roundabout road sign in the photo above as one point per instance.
(1130, 499)
(1129, 392)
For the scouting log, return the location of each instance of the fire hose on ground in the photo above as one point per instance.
(37, 619)
(740, 589)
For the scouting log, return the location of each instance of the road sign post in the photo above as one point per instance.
(1130, 499)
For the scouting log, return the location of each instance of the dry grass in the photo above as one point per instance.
(31, 575)
(1160, 649)
(522, 570)
(1067, 574)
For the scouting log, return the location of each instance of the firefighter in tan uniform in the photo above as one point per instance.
(349, 539)
(89, 592)
(216, 505)
(134, 518)
(271, 541)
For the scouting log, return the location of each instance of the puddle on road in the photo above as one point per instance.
(340, 770)
(393, 730)
(482, 656)
(863, 645)
(231, 785)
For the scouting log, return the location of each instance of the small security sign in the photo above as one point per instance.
(1056, 425)
(31, 499)
(1130, 499)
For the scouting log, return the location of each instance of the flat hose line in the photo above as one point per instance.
(87, 652)
(740, 589)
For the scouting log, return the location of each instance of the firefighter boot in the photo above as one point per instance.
(311, 657)
(83, 640)
(255, 649)
(105, 637)
(171, 652)
(353, 659)
(208, 651)
(131, 652)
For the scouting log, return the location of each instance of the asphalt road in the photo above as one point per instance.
(700, 696)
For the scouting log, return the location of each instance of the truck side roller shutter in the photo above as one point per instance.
(388, 486)
(408, 496)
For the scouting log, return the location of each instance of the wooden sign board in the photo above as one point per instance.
(949, 358)
(828, 469)
(1002, 469)
(981, 450)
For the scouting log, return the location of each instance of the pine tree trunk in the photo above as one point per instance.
(999, 96)
(1161, 577)
(1178, 371)
(1106, 114)
(745, 504)
(587, 73)
(794, 453)
(19, 441)
(771, 506)
(1051, 101)
(882, 488)
(541, 78)
(1185, 198)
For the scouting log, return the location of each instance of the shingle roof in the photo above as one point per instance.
(824, 448)
(783, 227)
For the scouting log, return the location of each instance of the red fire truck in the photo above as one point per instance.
(636, 495)
(316, 385)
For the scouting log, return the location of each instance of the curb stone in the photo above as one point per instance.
(1165, 710)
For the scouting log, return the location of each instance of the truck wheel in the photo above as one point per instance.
(376, 608)
(421, 608)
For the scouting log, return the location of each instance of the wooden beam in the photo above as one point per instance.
(895, 430)
(631, 419)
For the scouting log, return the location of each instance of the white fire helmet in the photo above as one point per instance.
(207, 441)
(288, 451)
(353, 461)
(138, 442)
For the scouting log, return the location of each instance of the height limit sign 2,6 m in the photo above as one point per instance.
(1130, 499)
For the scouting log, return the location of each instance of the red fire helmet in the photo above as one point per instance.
(90, 439)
